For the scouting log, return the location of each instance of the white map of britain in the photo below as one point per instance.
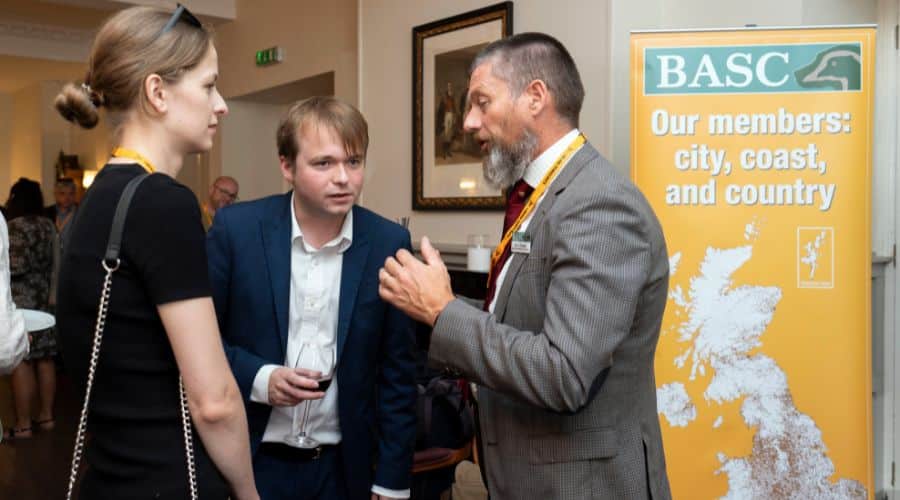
(723, 324)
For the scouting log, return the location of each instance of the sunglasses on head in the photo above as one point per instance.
(181, 13)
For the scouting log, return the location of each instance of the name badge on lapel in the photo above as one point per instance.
(521, 243)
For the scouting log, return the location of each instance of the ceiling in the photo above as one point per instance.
(50, 39)
(65, 14)
(43, 41)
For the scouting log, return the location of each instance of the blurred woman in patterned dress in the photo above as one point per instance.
(31, 239)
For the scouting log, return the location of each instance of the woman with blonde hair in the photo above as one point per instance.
(154, 74)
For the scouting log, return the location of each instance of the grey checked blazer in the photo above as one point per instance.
(567, 394)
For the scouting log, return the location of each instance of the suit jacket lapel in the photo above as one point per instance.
(354, 264)
(276, 236)
(563, 179)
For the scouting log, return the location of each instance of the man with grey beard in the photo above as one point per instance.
(562, 353)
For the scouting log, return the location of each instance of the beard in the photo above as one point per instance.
(505, 164)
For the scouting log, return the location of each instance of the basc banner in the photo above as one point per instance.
(754, 148)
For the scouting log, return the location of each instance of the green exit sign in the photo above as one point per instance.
(268, 56)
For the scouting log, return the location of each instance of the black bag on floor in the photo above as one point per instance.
(444, 417)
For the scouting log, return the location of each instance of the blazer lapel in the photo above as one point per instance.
(353, 266)
(563, 179)
(276, 236)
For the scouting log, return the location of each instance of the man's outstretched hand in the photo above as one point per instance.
(419, 289)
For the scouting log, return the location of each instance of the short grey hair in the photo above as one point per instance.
(520, 59)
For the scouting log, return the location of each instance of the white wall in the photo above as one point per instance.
(386, 90)
(55, 135)
(25, 134)
(246, 149)
(317, 37)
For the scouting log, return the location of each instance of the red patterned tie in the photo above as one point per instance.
(514, 204)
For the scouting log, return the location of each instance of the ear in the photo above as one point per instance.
(154, 89)
(287, 169)
(537, 97)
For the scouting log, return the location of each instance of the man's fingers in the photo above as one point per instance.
(392, 267)
(406, 258)
(281, 398)
(298, 388)
(294, 396)
(297, 381)
(384, 276)
(398, 273)
(386, 293)
(304, 372)
(302, 395)
(285, 400)
(388, 281)
(428, 251)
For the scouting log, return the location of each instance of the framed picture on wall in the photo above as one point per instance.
(446, 160)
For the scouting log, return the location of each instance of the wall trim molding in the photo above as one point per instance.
(44, 41)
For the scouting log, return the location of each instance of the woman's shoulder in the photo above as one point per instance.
(160, 192)
(31, 224)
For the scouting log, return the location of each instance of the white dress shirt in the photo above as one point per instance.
(312, 321)
(534, 172)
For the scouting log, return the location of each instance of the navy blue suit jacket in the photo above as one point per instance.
(249, 247)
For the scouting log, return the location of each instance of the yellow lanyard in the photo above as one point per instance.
(131, 154)
(60, 224)
(207, 218)
(535, 196)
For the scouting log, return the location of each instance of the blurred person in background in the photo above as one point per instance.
(31, 243)
(63, 211)
(222, 192)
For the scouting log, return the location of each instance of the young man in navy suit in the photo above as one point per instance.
(295, 279)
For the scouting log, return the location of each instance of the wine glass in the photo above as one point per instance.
(327, 356)
(317, 358)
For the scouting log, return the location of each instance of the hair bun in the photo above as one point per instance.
(77, 105)
(95, 97)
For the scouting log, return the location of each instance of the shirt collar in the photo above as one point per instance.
(341, 242)
(535, 170)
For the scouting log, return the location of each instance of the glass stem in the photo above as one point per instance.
(305, 418)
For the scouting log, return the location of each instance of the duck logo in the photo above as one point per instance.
(837, 68)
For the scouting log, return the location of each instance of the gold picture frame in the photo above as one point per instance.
(446, 160)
